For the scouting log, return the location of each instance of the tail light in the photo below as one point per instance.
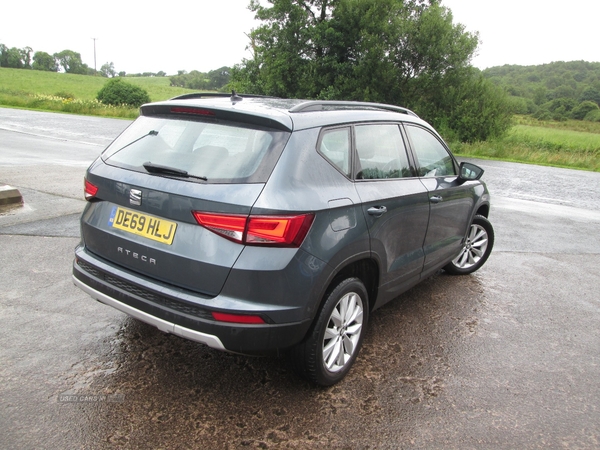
(279, 231)
(89, 190)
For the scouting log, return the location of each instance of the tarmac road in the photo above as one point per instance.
(505, 358)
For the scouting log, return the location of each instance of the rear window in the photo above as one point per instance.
(220, 152)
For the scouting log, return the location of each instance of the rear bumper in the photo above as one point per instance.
(162, 325)
(157, 306)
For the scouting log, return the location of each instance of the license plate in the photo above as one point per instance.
(145, 225)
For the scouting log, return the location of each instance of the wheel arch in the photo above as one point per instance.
(366, 270)
(483, 210)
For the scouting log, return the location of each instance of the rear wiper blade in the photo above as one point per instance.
(172, 171)
(150, 133)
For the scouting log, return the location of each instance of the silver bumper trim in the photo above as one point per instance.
(163, 325)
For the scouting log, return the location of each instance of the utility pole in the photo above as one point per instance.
(95, 72)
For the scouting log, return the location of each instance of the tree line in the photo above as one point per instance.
(22, 58)
(211, 81)
(68, 61)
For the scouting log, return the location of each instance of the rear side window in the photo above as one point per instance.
(220, 152)
(335, 147)
(434, 160)
(381, 152)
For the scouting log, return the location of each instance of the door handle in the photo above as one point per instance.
(377, 211)
(436, 199)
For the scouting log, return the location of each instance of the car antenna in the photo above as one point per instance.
(235, 97)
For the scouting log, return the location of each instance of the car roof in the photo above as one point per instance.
(284, 114)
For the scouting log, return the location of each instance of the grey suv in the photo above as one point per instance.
(260, 225)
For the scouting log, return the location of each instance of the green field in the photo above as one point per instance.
(573, 144)
(83, 87)
(71, 93)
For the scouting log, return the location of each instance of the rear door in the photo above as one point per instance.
(395, 205)
(153, 178)
(451, 202)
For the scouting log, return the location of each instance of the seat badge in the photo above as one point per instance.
(135, 197)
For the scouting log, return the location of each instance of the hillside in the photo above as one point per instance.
(83, 87)
(558, 91)
(73, 93)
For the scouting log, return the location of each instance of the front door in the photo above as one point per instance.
(450, 201)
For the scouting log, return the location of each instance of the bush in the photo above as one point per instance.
(593, 116)
(480, 110)
(558, 109)
(518, 105)
(560, 105)
(543, 114)
(582, 110)
(522, 105)
(118, 92)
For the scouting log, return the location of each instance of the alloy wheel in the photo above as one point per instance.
(474, 249)
(343, 332)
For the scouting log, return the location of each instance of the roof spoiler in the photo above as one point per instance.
(234, 96)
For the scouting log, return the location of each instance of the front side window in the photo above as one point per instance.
(433, 158)
(218, 152)
(381, 152)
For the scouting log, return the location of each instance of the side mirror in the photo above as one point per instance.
(469, 172)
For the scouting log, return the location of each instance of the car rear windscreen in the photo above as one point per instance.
(219, 152)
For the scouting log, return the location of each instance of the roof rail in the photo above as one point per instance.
(324, 105)
(216, 95)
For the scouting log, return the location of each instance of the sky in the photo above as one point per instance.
(205, 35)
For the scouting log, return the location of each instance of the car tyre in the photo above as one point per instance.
(476, 249)
(334, 341)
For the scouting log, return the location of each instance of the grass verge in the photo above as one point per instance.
(55, 103)
(571, 144)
